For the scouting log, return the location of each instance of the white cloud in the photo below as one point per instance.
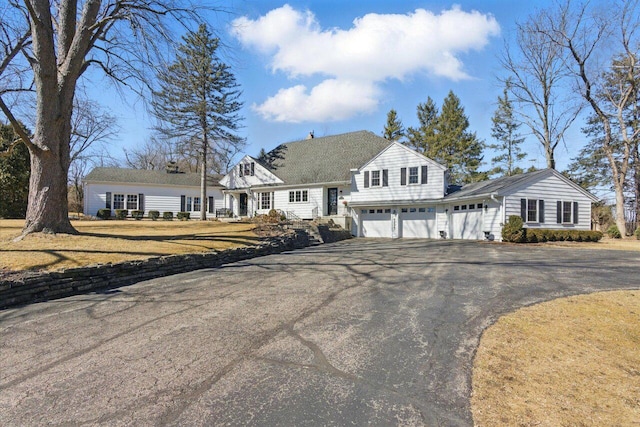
(376, 48)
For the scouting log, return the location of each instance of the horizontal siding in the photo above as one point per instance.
(162, 199)
(393, 159)
(551, 189)
(303, 210)
(261, 176)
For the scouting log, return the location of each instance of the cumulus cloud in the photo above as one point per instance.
(357, 61)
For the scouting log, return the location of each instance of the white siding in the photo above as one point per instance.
(493, 220)
(551, 189)
(260, 177)
(303, 210)
(393, 159)
(162, 199)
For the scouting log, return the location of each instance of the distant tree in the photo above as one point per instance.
(393, 130)
(198, 101)
(445, 138)
(14, 174)
(505, 131)
(538, 80)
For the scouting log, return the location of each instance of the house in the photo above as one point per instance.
(367, 184)
(379, 188)
(145, 190)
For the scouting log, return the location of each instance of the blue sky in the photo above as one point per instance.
(339, 66)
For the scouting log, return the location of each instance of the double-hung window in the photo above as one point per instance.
(375, 178)
(531, 210)
(413, 175)
(196, 204)
(118, 201)
(265, 200)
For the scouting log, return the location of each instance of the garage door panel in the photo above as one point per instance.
(466, 225)
(376, 224)
(421, 225)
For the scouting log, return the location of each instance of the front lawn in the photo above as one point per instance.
(116, 241)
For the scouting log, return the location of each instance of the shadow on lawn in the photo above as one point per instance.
(170, 238)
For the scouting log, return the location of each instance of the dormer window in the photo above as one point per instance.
(247, 169)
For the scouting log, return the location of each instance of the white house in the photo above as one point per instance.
(385, 189)
(147, 190)
(369, 185)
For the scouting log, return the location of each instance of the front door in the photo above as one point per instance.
(332, 208)
(243, 204)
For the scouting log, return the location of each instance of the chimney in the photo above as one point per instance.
(172, 167)
(310, 136)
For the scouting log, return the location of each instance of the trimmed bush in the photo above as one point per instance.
(637, 233)
(512, 231)
(137, 214)
(549, 235)
(122, 213)
(167, 216)
(183, 216)
(104, 213)
(154, 215)
(613, 232)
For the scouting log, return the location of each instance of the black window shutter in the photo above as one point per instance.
(559, 212)
(541, 211)
(141, 202)
(253, 168)
(403, 176)
(366, 179)
(183, 203)
(523, 209)
(385, 177)
(240, 170)
(423, 175)
(210, 207)
(108, 200)
(575, 212)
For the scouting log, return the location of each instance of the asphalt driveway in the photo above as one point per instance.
(363, 332)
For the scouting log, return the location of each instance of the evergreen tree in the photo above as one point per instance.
(505, 131)
(393, 130)
(445, 138)
(198, 101)
(14, 174)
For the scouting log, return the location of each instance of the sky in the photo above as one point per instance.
(337, 66)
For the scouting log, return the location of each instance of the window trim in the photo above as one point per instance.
(413, 179)
(376, 180)
(303, 196)
(125, 200)
(265, 199)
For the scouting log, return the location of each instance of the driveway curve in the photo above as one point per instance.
(362, 332)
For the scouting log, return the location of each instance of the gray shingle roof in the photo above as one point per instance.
(140, 176)
(323, 159)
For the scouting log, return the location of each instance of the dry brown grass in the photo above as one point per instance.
(629, 244)
(116, 241)
(568, 362)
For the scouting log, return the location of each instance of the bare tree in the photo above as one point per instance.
(60, 40)
(588, 35)
(154, 154)
(538, 80)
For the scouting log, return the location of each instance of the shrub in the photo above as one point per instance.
(637, 233)
(167, 216)
(137, 214)
(154, 215)
(613, 232)
(122, 213)
(551, 235)
(183, 216)
(104, 213)
(513, 231)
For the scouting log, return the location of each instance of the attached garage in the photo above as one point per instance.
(418, 222)
(466, 222)
(376, 223)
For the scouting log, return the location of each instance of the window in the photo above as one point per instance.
(567, 211)
(189, 204)
(265, 200)
(378, 210)
(372, 211)
(532, 210)
(247, 169)
(422, 210)
(298, 196)
(463, 207)
(413, 175)
(456, 208)
(387, 211)
(375, 178)
(210, 205)
(472, 206)
(108, 200)
(404, 210)
(431, 209)
(196, 204)
(132, 201)
(363, 211)
(118, 201)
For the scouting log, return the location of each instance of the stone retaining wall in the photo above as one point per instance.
(41, 286)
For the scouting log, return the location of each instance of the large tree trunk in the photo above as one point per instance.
(620, 218)
(203, 181)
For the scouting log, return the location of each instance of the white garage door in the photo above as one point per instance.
(466, 222)
(418, 222)
(376, 222)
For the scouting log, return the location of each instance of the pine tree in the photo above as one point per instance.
(393, 130)
(505, 131)
(15, 169)
(198, 101)
(444, 137)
